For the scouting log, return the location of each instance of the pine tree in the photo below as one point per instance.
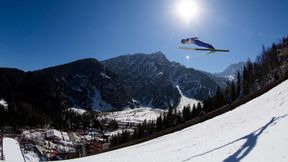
(194, 112)
(245, 82)
(186, 113)
(233, 91)
(179, 118)
(159, 124)
(208, 104)
(238, 90)
(199, 108)
(228, 92)
(171, 117)
(219, 99)
(250, 70)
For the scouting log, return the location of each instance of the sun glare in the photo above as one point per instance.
(187, 10)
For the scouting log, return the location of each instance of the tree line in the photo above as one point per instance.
(270, 64)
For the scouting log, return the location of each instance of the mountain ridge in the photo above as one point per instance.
(125, 81)
(155, 70)
(230, 72)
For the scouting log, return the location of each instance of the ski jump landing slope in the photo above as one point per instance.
(255, 131)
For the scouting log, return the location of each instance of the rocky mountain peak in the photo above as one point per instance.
(230, 72)
(151, 79)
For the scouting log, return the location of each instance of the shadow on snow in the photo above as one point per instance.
(245, 149)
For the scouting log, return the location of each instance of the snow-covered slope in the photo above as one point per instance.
(137, 115)
(255, 131)
(184, 101)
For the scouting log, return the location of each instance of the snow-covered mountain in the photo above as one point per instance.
(255, 131)
(231, 71)
(151, 79)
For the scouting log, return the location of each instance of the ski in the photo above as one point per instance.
(204, 49)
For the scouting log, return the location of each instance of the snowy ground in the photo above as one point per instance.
(137, 115)
(119, 131)
(256, 131)
(31, 157)
(77, 110)
(184, 101)
(11, 150)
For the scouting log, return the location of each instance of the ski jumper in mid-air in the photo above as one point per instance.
(196, 41)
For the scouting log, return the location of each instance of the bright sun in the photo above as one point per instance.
(187, 10)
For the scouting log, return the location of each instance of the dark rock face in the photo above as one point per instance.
(145, 78)
(151, 79)
(88, 85)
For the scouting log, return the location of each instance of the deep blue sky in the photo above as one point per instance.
(39, 33)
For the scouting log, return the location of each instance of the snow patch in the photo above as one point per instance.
(98, 103)
(4, 104)
(159, 74)
(184, 101)
(231, 77)
(77, 110)
(31, 156)
(137, 115)
(105, 75)
(119, 131)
